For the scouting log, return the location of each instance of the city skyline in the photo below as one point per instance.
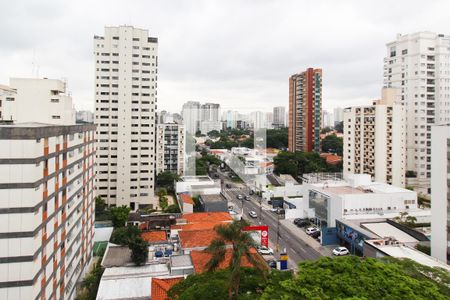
(237, 76)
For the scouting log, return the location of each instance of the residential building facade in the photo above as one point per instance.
(125, 104)
(305, 110)
(47, 208)
(191, 116)
(170, 148)
(418, 64)
(375, 139)
(279, 117)
(440, 192)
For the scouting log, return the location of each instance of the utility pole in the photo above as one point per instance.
(278, 233)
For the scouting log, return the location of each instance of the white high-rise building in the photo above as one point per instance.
(440, 192)
(269, 120)
(374, 139)
(328, 120)
(230, 117)
(125, 103)
(338, 114)
(170, 148)
(39, 100)
(279, 117)
(258, 120)
(210, 112)
(191, 116)
(47, 208)
(419, 65)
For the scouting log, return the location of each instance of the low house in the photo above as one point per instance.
(151, 221)
(155, 237)
(186, 203)
(201, 258)
(213, 203)
(162, 285)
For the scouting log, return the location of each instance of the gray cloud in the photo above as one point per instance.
(238, 53)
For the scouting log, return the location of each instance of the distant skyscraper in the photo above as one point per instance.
(231, 118)
(85, 116)
(338, 115)
(279, 117)
(418, 64)
(191, 116)
(305, 110)
(126, 76)
(374, 139)
(327, 118)
(210, 112)
(269, 120)
(258, 120)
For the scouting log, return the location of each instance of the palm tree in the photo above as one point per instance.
(242, 242)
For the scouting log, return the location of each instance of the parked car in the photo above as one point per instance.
(340, 251)
(265, 250)
(315, 235)
(311, 230)
(252, 214)
(240, 197)
(247, 198)
(272, 264)
(302, 223)
(228, 185)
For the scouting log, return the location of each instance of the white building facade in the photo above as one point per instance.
(279, 117)
(47, 209)
(39, 100)
(191, 116)
(374, 140)
(419, 65)
(170, 148)
(7, 94)
(125, 104)
(440, 192)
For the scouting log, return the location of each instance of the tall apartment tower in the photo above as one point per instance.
(191, 116)
(210, 112)
(305, 110)
(125, 114)
(374, 139)
(279, 117)
(440, 193)
(418, 64)
(170, 148)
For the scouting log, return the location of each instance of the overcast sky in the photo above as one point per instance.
(236, 53)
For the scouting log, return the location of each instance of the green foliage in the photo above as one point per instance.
(354, 277)
(89, 286)
(172, 209)
(215, 285)
(339, 127)
(167, 180)
(298, 163)
(124, 235)
(326, 130)
(100, 205)
(213, 134)
(406, 219)
(332, 144)
(277, 138)
(201, 164)
(139, 251)
(241, 242)
(119, 215)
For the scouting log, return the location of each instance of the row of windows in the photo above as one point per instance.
(132, 102)
(134, 63)
(134, 86)
(133, 71)
(132, 94)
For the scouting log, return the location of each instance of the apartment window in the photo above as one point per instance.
(56, 117)
(115, 38)
(54, 100)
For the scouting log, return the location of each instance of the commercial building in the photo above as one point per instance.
(418, 65)
(375, 139)
(279, 117)
(47, 208)
(170, 148)
(38, 100)
(440, 192)
(305, 110)
(125, 101)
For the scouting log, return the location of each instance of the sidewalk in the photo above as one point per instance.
(299, 233)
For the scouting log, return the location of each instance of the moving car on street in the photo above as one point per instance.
(252, 214)
(240, 197)
(247, 198)
(340, 251)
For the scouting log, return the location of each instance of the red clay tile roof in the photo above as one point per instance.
(186, 199)
(207, 217)
(154, 236)
(197, 238)
(196, 226)
(331, 158)
(201, 258)
(160, 287)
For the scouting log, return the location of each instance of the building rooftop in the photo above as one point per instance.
(186, 199)
(160, 286)
(180, 261)
(202, 178)
(197, 238)
(385, 230)
(196, 226)
(201, 258)
(213, 198)
(155, 236)
(116, 256)
(207, 217)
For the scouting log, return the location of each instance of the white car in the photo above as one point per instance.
(232, 212)
(340, 251)
(252, 214)
(265, 250)
(240, 197)
(311, 230)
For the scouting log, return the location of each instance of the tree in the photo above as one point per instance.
(353, 277)
(405, 219)
(139, 251)
(326, 130)
(167, 180)
(213, 134)
(277, 138)
(172, 209)
(124, 235)
(100, 205)
(299, 163)
(119, 215)
(89, 286)
(241, 242)
(332, 144)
